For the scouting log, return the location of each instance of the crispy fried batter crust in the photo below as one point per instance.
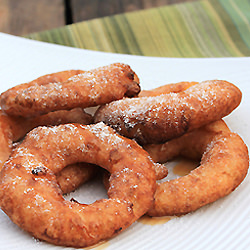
(90, 88)
(167, 88)
(61, 76)
(31, 197)
(160, 118)
(74, 175)
(224, 165)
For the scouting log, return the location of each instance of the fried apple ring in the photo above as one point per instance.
(56, 77)
(91, 88)
(13, 129)
(160, 118)
(223, 166)
(31, 197)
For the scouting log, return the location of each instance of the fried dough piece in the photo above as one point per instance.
(56, 77)
(224, 165)
(160, 118)
(74, 175)
(91, 88)
(13, 129)
(31, 197)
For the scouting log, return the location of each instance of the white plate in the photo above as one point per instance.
(225, 224)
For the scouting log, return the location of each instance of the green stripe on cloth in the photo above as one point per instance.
(208, 28)
(240, 14)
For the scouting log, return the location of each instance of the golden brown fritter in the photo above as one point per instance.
(90, 88)
(224, 165)
(31, 197)
(160, 118)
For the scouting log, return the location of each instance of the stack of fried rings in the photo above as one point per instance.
(224, 161)
(13, 129)
(223, 166)
(78, 230)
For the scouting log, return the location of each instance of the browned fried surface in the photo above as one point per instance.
(44, 165)
(31, 197)
(161, 172)
(160, 118)
(72, 176)
(5, 140)
(91, 88)
(15, 128)
(61, 76)
(191, 145)
(168, 88)
(19, 126)
(223, 167)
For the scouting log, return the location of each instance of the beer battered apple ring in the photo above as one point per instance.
(31, 197)
(13, 129)
(160, 118)
(224, 165)
(91, 88)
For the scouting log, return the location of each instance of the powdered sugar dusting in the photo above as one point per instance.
(170, 114)
(102, 131)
